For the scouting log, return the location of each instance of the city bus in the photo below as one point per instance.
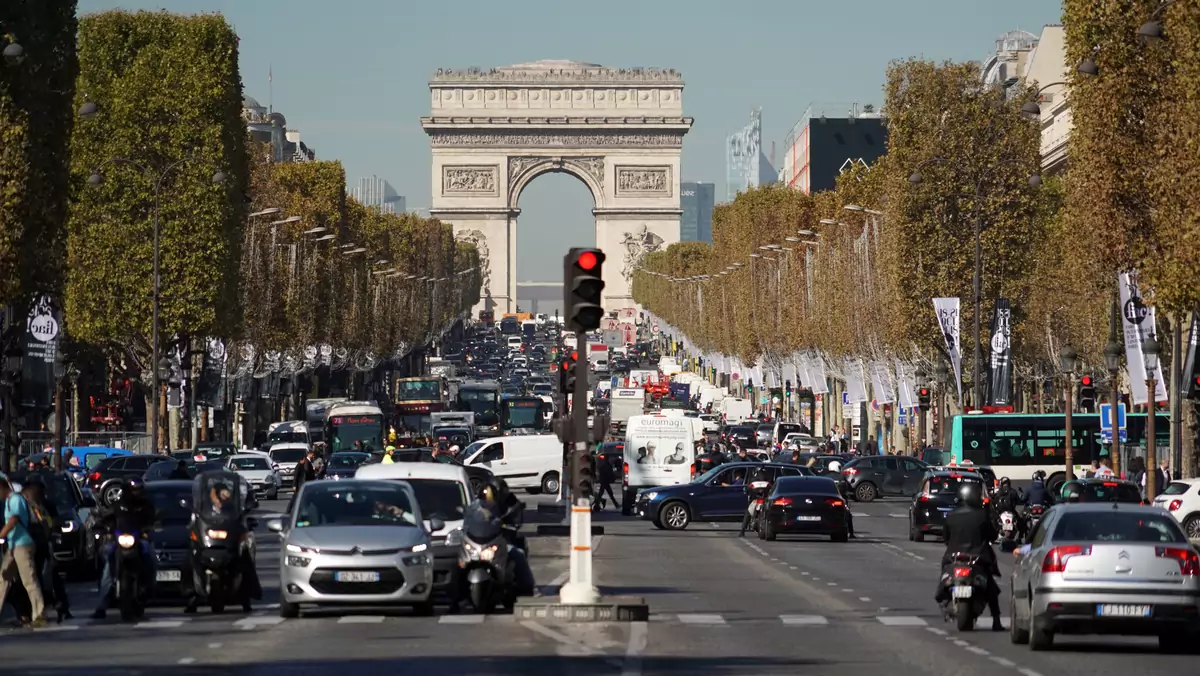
(1016, 445)
(350, 421)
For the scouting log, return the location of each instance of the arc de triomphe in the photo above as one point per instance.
(619, 131)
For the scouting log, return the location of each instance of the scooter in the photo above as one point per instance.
(1008, 530)
(488, 572)
(967, 582)
(129, 580)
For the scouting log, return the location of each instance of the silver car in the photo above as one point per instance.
(1106, 568)
(355, 542)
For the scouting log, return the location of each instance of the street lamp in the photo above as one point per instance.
(1034, 181)
(1067, 358)
(88, 110)
(269, 211)
(1033, 108)
(1150, 351)
(96, 179)
(1152, 30)
(14, 54)
(1112, 359)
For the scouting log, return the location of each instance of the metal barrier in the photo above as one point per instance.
(36, 441)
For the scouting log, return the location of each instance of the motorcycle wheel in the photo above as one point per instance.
(216, 595)
(128, 598)
(964, 619)
(482, 599)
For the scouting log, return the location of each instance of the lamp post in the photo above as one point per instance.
(1150, 354)
(1067, 359)
(1152, 30)
(942, 375)
(1034, 181)
(97, 179)
(1112, 359)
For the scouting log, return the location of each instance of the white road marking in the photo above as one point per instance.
(701, 618)
(865, 599)
(575, 646)
(258, 621)
(897, 515)
(901, 621)
(959, 642)
(214, 646)
(831, 584)
(713, 524)
(360, 619)
(804, 572)
(804, 620)
(1028, 672)
(187, 660)
(935, 630)
(1002, 661)
(792, 568)
(57, 627)
(848, 591)
(639, 634)
(159, 624)
(461, 619)
(978, 651)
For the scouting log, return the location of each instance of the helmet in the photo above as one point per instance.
(835, 466)
(1005, 481)
(970, 493)
(133, 487)
(1039, 475)
(1071, 492)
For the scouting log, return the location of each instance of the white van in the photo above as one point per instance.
(659, 451)
(514, 342)
(286, 456)
(532, 462)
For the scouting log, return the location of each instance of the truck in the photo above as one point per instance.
(597, 355)
(416, 397)
(626, 403)
(456, 428)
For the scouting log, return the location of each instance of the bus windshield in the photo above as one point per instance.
(419, 390)
(523, 412)
(482, 402)
(344, 430)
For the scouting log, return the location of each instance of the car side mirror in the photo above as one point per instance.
(275, 524)
(434, 525)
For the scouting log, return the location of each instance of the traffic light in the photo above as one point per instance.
(787, 389)
(923, 397)
(1087, 394)
(566, 373)
(583, 475)
(583, 287)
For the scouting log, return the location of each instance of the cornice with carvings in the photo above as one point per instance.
(561, 121)
(614, 76)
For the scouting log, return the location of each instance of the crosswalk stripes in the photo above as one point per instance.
(701, 618)
(361, 619)
(804, 620)
(461, 619)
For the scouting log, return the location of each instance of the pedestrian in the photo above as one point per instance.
(304, 471)
(607, 475)
(1103, 471)
(1091, 472)
(19, 560)
(43, 522)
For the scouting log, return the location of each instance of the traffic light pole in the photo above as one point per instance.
(580, 588)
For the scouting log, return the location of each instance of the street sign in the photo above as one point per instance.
(845, 398)
(1106, 423)
(902, 417)
(875, 405)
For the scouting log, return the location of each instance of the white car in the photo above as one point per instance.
(258, 470)
(285, 457)
(1182, 500)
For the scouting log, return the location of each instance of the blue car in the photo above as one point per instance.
(717, 495)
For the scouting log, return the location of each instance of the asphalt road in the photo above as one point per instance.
(719, 604)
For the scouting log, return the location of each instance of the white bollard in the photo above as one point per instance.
(580, 589)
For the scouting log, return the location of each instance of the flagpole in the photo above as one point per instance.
(270, 90)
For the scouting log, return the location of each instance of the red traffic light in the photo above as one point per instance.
(574, 356)
(588, 260)
(923, 392)
(1086, 381)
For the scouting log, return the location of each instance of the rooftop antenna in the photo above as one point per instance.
(270, 89)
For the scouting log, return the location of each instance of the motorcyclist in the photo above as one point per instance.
(1006, 499)
(496, 498)
(132, 512)
(180, 472)
(221, 499)
(1038, 494)
(969, 530)
(756, 489)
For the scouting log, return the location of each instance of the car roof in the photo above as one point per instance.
(260, 456)
(288, 445)
(1102, 480)
(170, 483)
(1109, 507)
(809, 480)
(413, 470)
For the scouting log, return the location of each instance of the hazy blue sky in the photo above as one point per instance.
(351, 75)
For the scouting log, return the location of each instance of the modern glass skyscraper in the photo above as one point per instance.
(376, 192)
(745, 164)
(696, 200)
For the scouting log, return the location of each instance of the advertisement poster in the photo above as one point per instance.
(659, 450)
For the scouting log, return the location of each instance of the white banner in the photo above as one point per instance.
(947, 316)
(820, 381)
(908, 392)
(1137, 323)
(856, 382)
(881, 379)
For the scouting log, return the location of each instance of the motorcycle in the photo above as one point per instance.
(1008, 530)
(1034, 517)
(129, 580)
(967, 581)
(221, 539)
(487, 569)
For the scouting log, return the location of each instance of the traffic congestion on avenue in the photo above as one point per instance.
(920, 397)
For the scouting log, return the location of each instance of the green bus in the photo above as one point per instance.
(1018, 444)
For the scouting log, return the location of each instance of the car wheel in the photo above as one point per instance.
(550, 483)
(865, 492)
(1040, 638)
(768, 533)
(658, 524)
(274, 495)
(1016, 634)
(915, 534)
(675, 515)
(1191, 527)
(289, 611)
(111, 493)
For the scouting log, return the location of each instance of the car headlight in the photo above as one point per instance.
(454, 538)
(416, 560)
(68, 526)
(298, 561)
(303, 550)
(420, 548)
(651, 495)
(126, 541)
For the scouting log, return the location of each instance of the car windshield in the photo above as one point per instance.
(280, 437)
(172, 505)
(250, 463)
(61, 494)
(288, 454)
(342, 503)
(1116, 526)
(347, 460)
(439, 498)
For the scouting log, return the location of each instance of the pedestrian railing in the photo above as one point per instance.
(37, 441)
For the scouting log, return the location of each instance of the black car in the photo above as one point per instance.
(172, 500)
(802, 505)
(874, 476)
(716, 495)
(936, 497)
(1101, 490)
(344, 464)
(161, 471)
(106, 477)
(742, 435)
(74, 542)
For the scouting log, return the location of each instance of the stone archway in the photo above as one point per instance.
(619, 131)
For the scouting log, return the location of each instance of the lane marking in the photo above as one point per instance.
(848, 591)
(461, 619)
(57, 627)
(1002, 661)
(713, 524)
(831, 584)
(187, 660)
(865, 599)
(1028, 672)
(639, 635)
(901, 621)
(897, 515)
(792, 568)
(701, 618)
(568, 642)
(978, 651)
(214, 646)
(360, 619)
(258, 620)
(804, 572)
(935, 630)
(159, 624)
(804, 620)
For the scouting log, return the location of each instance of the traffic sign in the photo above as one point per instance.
(845, 398)
(902, 417)
(1106, 423)
(875, 405)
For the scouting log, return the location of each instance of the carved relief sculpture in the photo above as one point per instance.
(469, 179)
(467, 139)
(656, 180)
(637, 245)
(485, 267)
(520, 166)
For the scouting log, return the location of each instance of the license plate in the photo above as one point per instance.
(356, 576)
(945, 509)
(1123, 610)
(168, 576)
(963, 592)
(808, 518)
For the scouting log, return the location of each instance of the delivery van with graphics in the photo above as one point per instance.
(659, 451)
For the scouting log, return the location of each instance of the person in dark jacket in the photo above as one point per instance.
(132, 513)
(756, 489)
(180, 473)
(970, 530)
(305, 471)
(606, 475)
(1038, 494)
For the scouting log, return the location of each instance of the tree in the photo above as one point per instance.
(170, 96)
(37, 104)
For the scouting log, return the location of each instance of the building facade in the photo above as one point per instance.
(1047, 67)
(270, 127)
(1007, 65)
(377, 193)
(829, 140)
(696, 200)
(745, 164)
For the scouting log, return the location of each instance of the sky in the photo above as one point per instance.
(352, 75)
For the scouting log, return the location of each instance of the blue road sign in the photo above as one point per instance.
(1106, 433)
(845, 398)
(902, 417)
